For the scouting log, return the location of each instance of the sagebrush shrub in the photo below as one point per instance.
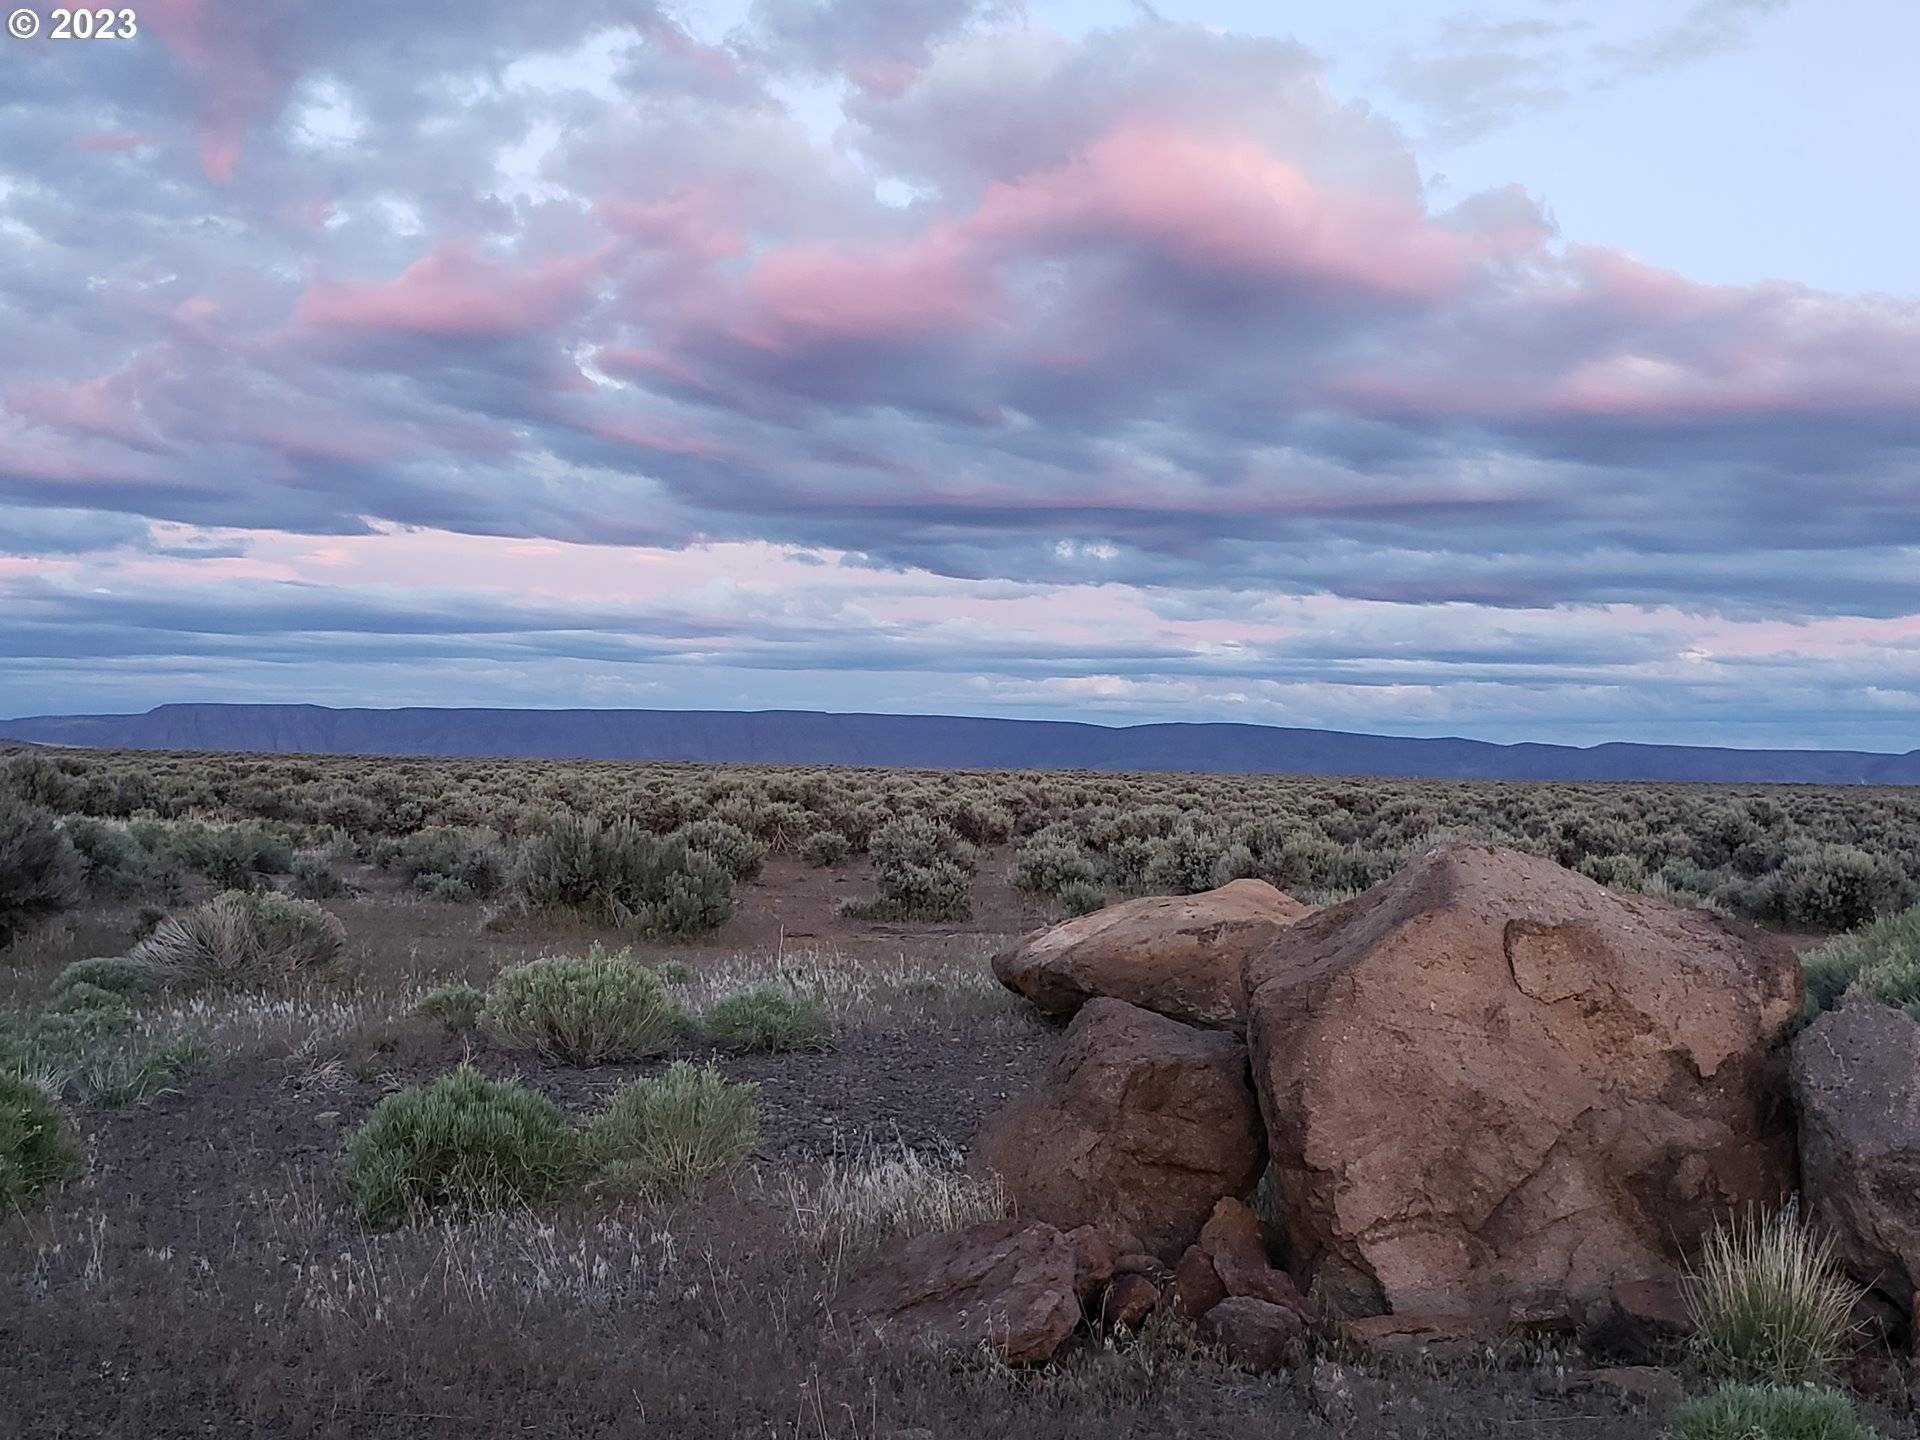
(1768, 1304)
(446, 862)
(242, 940)
(35, 1149)
(314, 878)
(1879, 962)
(455, 1006)
(117, 973)
(583, 1009)
(1049, 866)
(771, 1020)
(40, 872)
(824, 849)
(1081, 897)
(465, 1144)
(1836, 887)
(625, 876)
(739, 853)
(1769, 1412)
(76, 998)
(665, 1134)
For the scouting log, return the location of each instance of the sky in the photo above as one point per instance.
(1540, 370)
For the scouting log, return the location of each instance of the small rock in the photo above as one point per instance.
(1093, 1258)
(1233, 1241)
(1646, 1384)
(1256, 1334)
(1128, 1301)
(1408, 1337)
(1658, 1305)
(1196, 1286)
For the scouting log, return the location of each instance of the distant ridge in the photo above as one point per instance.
(812, 737)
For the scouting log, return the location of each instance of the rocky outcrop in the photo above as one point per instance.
(1856, 1085)
(1176, 955)
(1004, 1284)
(1491, 1079)
(1257, 1335)
(1142, 1124)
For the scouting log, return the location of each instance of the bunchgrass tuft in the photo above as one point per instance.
(464, 1144)
(860, 1204)
(1768, 1304)
(771, 1020)
(583, 1009)
(1769, 1412)
(35, 1149)
(242, 940)
(666, 1134)
(456, 1006)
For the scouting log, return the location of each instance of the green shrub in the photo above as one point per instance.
(73, 998)
(40, 872)
(124, 977)
(1879, 962)
(464, 1143)
(674, 972)
(456, 1006)
(1769, 1412)
(670, 1132)
(771, 1020)
(824, 849)
(623, 875)
(314, 878)
(1768, 1304)
(446, 862)
(738, 852)
(1836, 887)
(582, 1010)
(1081, 897)
(240, 940)
(35, 1150)
(1048, 867)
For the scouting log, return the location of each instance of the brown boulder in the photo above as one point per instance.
(1142, 1124)
(1196, 1285)
(1002, 1283)
(1491, 1078)
(1177, 955)
(1856, 1084)
(1256, 1334)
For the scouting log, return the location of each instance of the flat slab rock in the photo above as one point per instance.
(1491, 1079)
(1004, 1284)
(1176, 955)
(1142, 1123)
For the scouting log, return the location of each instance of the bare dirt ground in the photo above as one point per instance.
(205, 1278)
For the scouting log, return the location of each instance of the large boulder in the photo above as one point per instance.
(1003, 1283)
(1142, 1123)
(1856, 1085)
(1177, 955)
(1490, 1080)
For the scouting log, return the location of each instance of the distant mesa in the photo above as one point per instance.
(812, 737)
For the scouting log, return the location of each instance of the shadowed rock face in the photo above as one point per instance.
(1178, 955)
(1491, 1080)
(1856, 1087)
(1143, 1123)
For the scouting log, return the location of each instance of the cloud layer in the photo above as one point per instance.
(905, 356)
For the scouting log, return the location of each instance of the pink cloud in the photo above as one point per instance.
(931, 288)
(108, 407)
(225, 49)
(456, 293)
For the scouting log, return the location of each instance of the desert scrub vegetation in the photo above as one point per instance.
(1879, 962)
(1768, 1304)
(40, 872)
(465, 1144)
(1769, 1412)
(127, 979)
(923, 871)
(739, 853)
(671, 1132)
(825, 849)
(91, 1052)
(584, 1009)
(36, 1151)
(858, 1204)
(457, 1006)
(769, 1019)
(446, 862)
(624, 876)
(241, 940)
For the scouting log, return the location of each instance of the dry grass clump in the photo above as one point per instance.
(241, 940)
(36, 1151)
(1768, 1304)
(583, 1009)
(859, 1204)
(666, 1134)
